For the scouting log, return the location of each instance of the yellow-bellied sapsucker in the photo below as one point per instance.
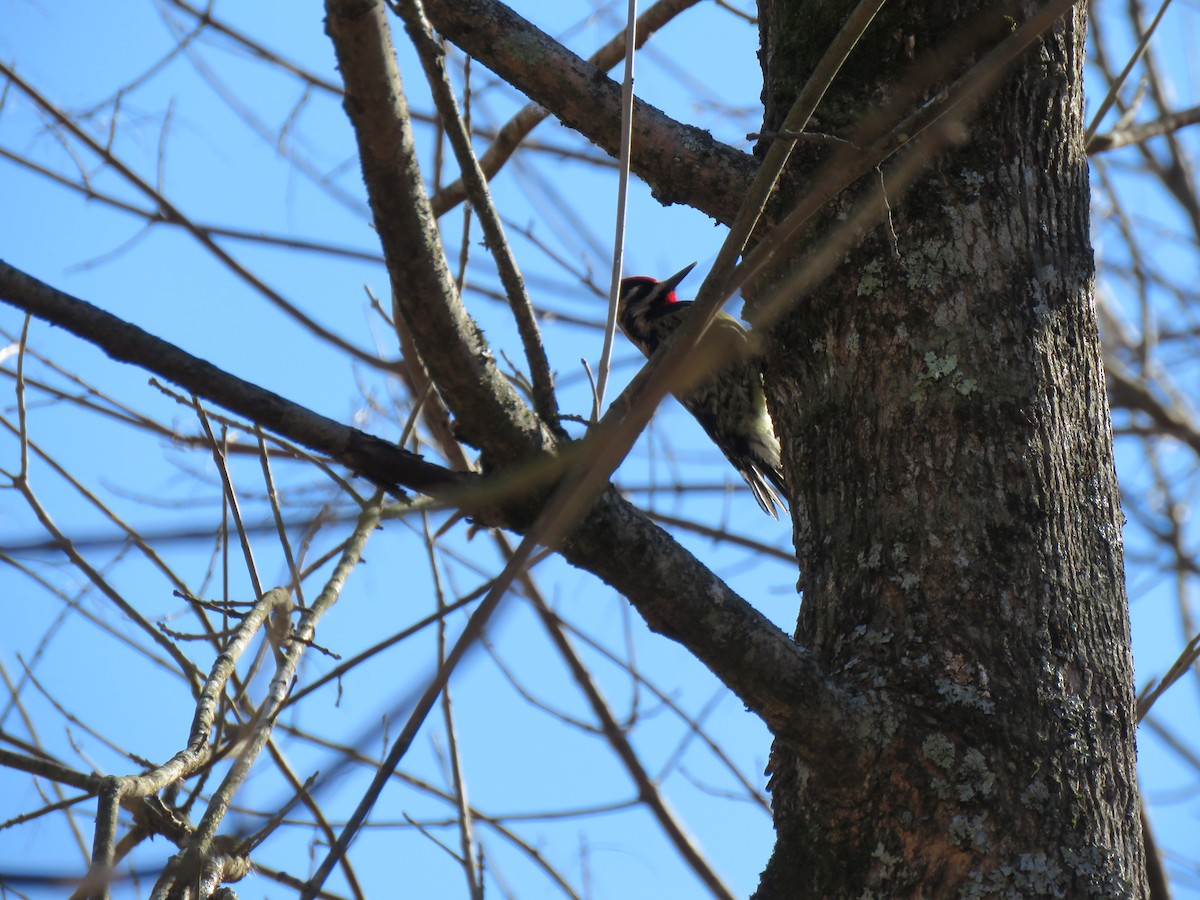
(729, 403)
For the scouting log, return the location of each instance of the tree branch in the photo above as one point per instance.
(433, 60)
(509, 137)
(387, 464)
(1138, 134)
(680, 163)
(674, 592)
(490, 413)
(171, 213)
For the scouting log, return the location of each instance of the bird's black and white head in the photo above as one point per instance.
(644, 308)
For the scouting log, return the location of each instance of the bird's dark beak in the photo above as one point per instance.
(673, 282)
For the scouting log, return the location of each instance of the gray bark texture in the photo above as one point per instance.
(942, 408)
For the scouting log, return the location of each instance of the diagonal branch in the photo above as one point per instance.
(172, 213)
(433, 60)
(681, 163)
(490, 413)
(1139, 134)
(516, 129)
(622, 745)
(735, 641)
(122, 341)
(675, 593)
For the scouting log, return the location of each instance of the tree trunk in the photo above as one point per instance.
(941, 403)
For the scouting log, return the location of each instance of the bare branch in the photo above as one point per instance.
(648, 791)
(128, 343)
(681, 163)
(510, 135)
(675, 594)
(1138, 134)
(490, 413)
(433, 59)
(175, 214)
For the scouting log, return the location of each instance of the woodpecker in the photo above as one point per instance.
(729, 404)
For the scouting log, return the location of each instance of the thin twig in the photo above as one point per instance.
(186, 667)
(1113, 90)
(277, 515)
(466, 830)
(1139, 134)
(848, 166)
(128, 343)
(433, 61)
(470, 634)
(172, 211)
(648, 792)
(230, 496)
(715, 291)
(513, 133)
(618, 262)
(260, 729)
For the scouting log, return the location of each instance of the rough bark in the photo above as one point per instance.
(942, 408)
